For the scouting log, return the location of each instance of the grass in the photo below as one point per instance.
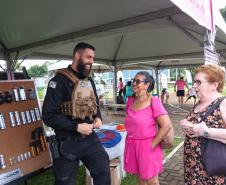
(177, 141)
(129, 180)
(47, 178)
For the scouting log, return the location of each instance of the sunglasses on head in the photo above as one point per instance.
(137, 81)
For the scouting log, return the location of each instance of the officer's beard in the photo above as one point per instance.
(83, 72)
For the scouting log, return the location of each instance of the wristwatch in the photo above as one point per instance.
(206, 134)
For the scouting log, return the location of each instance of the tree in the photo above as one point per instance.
(223, 12)
(37, 70)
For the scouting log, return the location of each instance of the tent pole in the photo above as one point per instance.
(157, 79)
(115, 84)
(9, 64)
(157, 76)
(6, 55)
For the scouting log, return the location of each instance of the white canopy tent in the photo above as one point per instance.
(151, 33)
(121, 31)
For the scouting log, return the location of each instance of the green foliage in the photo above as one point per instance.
(37, 70)
(224, 91)
(41, 92)
(223, 12)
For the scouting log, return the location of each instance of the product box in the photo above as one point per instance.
(114, 170)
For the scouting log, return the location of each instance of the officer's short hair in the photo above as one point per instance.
(82, 46)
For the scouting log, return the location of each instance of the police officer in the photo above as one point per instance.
(73, 114)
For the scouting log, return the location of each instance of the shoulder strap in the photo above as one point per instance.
(94, 90)
(152, 100)
(152, 104)
(68, 74)
(212, 108)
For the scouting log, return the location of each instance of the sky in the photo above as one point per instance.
(220, 3)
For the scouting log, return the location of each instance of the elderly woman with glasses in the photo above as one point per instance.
(208, 85)
(143, 153)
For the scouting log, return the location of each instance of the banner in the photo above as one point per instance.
(199, 10)
(211, 57)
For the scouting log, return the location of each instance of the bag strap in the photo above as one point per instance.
(212, 108)
(152, 108)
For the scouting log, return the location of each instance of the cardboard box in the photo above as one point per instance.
(89, 180)
(114, 170)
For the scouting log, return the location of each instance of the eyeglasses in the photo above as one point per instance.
(137, 81)
(198, 82)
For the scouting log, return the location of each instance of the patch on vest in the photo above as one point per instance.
(52, 84)
(82, 84)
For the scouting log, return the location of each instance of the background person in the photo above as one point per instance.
(208, 85)
(164, 92)
(143, 153)
(128, 91)
(164, 96)
(75, 136)
(179, 89)
(120, 87)
(191, 94)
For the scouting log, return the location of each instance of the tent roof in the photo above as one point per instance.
(123, 32)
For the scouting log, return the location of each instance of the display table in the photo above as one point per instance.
(116, 152)
(118, 149)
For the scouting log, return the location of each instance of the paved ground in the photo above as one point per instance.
(173, 168)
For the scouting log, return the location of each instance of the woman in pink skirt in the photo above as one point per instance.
(143, 153)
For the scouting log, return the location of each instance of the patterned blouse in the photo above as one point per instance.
(194, 171)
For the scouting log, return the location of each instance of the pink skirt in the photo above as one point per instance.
(140, 159)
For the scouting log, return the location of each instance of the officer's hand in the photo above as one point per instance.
(85, 128)
(97, 123)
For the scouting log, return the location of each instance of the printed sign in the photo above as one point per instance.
(10, 176)
(211, 57)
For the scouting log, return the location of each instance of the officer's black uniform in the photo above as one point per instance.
(72, 145)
